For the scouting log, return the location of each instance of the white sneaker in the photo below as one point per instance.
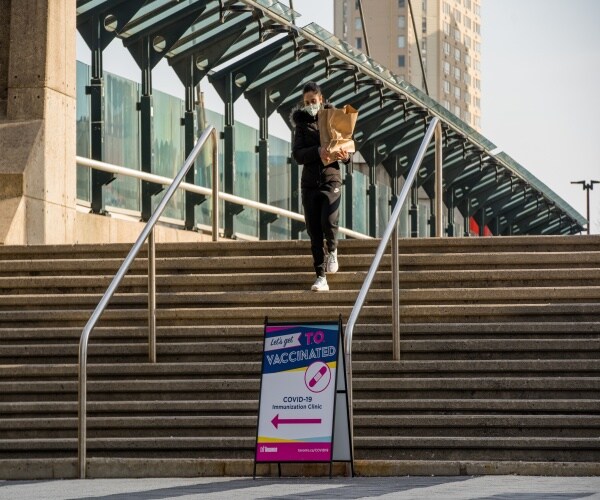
(332, 262)
(320, 285)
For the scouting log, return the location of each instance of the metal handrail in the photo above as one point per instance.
(157, 179)
(391, 231)
(146, 234)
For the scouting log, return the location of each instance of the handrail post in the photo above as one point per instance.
(385, 238)
(395, 295)
(81, 411)
(151, 298)
(215, 187)
(146, 234)
(439, 218)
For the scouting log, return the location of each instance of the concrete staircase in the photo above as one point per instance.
(500, 369)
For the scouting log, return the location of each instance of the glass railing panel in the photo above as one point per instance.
(359, 202)
(168, 147)
(279, 185)
(246, 177)
(121, 140)
(384, 193)
(203, 167)
(83, 138)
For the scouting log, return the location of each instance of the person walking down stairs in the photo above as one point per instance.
(321, 183)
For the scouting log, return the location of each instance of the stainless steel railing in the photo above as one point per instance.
(146, 234)
(215, 193)
(391, 232)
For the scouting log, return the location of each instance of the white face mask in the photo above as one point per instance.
(312, 109)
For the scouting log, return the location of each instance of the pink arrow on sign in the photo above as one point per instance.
(276, 421)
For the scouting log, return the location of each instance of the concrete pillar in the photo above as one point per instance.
(37, 134)
(4, 44)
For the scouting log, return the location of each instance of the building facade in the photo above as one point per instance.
(449, 33)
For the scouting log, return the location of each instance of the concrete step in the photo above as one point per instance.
(242, 369)
(346, 280)
(410, 331)
(245, 426)
(381, 448)
(442, 296)
(249, 407)
(272, 263)
(240, 350)
(247, 388)
(481, 313)
(407, 245)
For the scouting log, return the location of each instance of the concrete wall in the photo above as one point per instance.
(91, 228)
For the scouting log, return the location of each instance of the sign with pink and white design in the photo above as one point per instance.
(298, 392)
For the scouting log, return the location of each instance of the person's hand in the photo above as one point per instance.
(342, 155)
(325, 156)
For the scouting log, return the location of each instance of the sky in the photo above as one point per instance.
(540, 87)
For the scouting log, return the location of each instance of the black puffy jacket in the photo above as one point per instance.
(305, 150)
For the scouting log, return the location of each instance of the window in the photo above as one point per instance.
(357, 24)
(477, 9)
(458, 16)
(467, 59)
(457, 92)
(468, 41)
(400, 4)
(477, 64)
(467, 78)
(446, 48)
(457, 54)
(478, 102)
(447, 104)
(467, 98)
(359, 43)
(401, 61)
(424, 25)
(467, 22)
(446, 68)
(477, 28)
(477, 47)
(457, 111)
(446, 8)
(356, 4)
(401, 42)
(477, 122)
(401, 21)
(446, 28)
(456, 34)
(467, 117)
(457, 73)
(446, 87)
(477, 83)
(468, 4)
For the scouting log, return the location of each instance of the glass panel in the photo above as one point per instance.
(424, 220)
(121, 140)
(168, 148)
(83, 141)
(383, 207)
(246, 177)
(279, 9)
(359, 202)
(279, 185)
(203, 167)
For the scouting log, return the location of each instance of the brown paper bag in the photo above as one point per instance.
(336, 127)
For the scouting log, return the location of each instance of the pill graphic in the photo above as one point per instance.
(322, 371)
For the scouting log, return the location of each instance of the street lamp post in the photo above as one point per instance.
(587, 187)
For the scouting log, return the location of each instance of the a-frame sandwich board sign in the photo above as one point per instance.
(303, 407)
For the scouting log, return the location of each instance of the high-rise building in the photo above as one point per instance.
(449, 34)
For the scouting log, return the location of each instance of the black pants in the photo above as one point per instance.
(321, 211)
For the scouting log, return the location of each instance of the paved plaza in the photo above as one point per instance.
(447, 488)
